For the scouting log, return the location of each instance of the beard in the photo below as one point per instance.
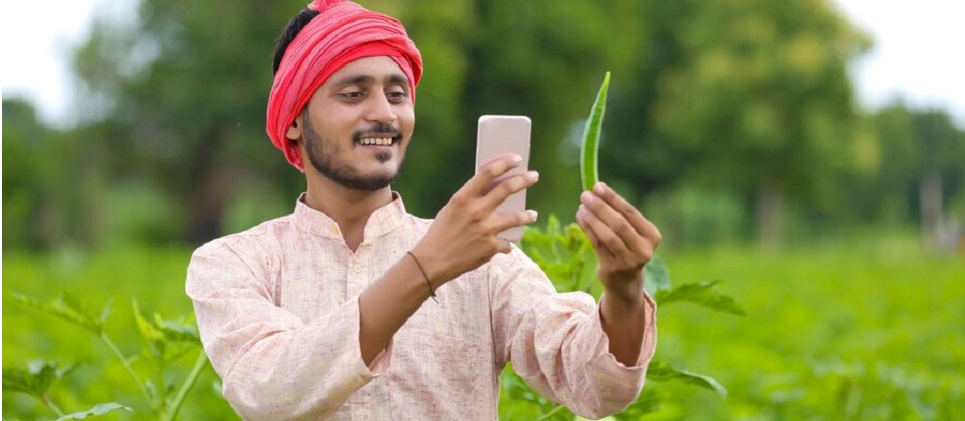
(324, 153)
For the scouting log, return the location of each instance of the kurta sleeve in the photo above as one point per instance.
(556, 341)
(273, 365)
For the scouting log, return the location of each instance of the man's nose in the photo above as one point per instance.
(380, 109)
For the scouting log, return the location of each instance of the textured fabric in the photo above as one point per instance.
(277, 307)
(342, 32)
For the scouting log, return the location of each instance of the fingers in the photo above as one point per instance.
(618, 231)
(618, 205)
(505, 188)
(512, 220)
(487, 174)
(603, 238)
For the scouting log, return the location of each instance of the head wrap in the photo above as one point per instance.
(342, 32)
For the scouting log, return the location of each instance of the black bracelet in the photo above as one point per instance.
(428, 284)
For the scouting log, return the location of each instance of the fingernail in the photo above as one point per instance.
(587, 197)
(600, 188)
(534, 175)
(516, 159)
(533, 215)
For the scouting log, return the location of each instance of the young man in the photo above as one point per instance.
(323, 313)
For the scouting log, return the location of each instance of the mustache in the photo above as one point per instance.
(380, 129)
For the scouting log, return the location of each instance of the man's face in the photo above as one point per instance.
(357, 125)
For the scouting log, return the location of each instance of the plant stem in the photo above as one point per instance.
(127, 366)
(50, 404)
(187, 385)
(547, 415)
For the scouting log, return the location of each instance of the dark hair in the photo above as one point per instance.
(295, 25)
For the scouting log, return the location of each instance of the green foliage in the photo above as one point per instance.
(704, 294)
(67, 307)
(863, 330)
(36, 380)
(889, 348)
(912, 144)
(663, 371)
(720, 97)
(566, 256)
(165, 343)
(589, 172)
(99, 409)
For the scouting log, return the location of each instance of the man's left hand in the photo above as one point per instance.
(624, 240)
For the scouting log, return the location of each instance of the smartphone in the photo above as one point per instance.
(499, 135)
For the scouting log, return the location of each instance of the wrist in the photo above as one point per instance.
(430, 289)
(625, 295)
(629, 294)
(432, 265)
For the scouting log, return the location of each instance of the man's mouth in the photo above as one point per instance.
(377, 141)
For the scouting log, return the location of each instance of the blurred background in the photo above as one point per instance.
(762, 137)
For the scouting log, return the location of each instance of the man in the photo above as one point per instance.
(323, 313)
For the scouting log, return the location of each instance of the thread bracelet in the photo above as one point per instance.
(432, 293)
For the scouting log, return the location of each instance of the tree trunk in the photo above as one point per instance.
(770, 216)
(930, 206)
(208, 205)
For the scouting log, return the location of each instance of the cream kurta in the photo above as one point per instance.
(277, 307)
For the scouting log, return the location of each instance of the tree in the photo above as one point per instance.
(923, 166)
(747, 95)
(186, 83)
(51, 183)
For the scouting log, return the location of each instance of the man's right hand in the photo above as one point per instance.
(463, 236)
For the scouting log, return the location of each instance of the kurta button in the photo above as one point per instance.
(357, 268)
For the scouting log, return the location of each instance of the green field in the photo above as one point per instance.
(834, 331)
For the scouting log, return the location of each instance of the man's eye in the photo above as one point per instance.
(397, 96)
(352, 95)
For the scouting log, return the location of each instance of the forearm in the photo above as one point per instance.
(623, 313)
(387, 304)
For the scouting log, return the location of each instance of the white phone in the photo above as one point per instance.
(499, 135)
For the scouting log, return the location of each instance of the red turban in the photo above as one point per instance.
(342, 32)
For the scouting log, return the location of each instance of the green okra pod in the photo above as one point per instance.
(591, 137)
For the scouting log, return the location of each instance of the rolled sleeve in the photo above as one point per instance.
(556, 342)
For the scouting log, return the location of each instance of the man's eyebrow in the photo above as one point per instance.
(392, 79)
(398, 79)
(355, 80)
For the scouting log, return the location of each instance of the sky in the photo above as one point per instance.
(916, 55)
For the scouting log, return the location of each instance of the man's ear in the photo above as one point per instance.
(294, 131)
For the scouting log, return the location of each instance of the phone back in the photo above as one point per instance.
(500, 135)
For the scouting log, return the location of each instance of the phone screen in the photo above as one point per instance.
(499, 135)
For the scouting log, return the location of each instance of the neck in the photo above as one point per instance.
(349, 208)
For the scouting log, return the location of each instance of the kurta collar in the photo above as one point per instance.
(383, 220)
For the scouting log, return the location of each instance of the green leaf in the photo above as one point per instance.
(656, 276)
(37, 379)
(663, 371)
(99, 409)
(67, 307)
(704, 294)
(147, 329)
(564, 254)
(648, 402)
(591, 137)
(176, 332)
